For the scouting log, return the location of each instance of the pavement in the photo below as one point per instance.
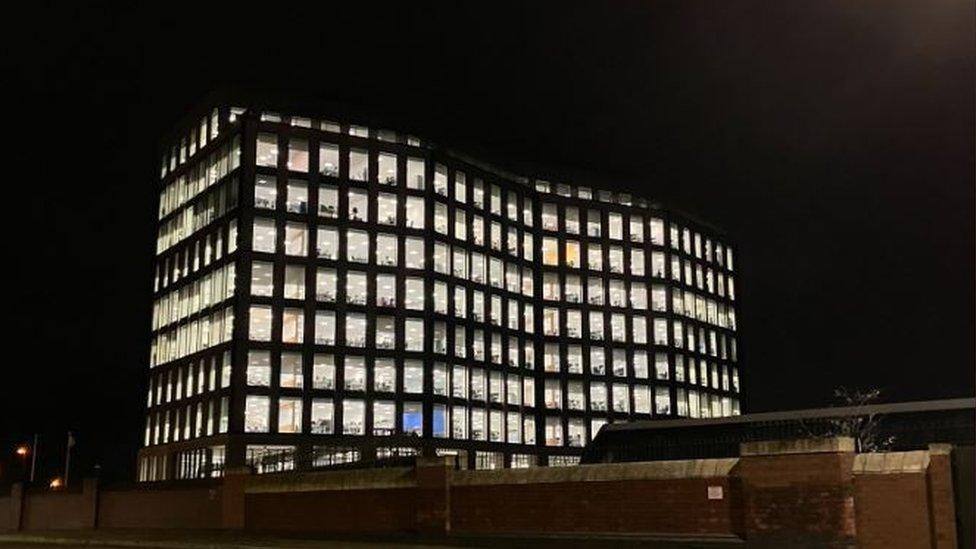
(176, 539)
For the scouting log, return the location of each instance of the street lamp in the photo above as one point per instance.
(24, 450)
(55, 483)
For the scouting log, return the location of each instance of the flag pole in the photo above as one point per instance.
(67, 457)
(34, 458)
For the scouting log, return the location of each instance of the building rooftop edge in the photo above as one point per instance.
(835, 411)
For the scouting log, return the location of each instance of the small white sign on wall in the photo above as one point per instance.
(715, 492)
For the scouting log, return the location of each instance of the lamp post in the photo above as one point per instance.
(23, 451)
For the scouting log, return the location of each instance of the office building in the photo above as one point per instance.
(330, 290)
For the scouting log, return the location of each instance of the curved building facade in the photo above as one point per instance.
(330, 291)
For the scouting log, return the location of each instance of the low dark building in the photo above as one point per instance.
(902, 426)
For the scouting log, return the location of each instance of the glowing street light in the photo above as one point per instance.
(23, 450)
(55, 483)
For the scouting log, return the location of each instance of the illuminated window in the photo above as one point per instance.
(553, 394)
(593, 223)
(413, 418)
(297, 199)
(554, 431)
(323, 372)
(416, 178)
(257, 414)
(298, 155)
(267, 150)
(356, 288)
(385, 290)
(550, 251)
(294, 282)
(358, 165)
(414, 334)
(265, 192)
(325, 327)
(356, 330)
(323, 416)
(414, 248)
(597, 361)
(387, 164)
(440, 180)
(357, 246)
(384, 417)
(550, 217)
(328, 243)
(384, 375)
(386, 249)
(260, 323)
(598, 397)
(289, 415)
(385, 332)
(353, 417)
(264, 235)
(262, 276)
(329, 160)
(292, 326)
(662, 401)
(296, 239)
(460, 187)
(259, 368)
(354, 374)
(413, 376)
(358, 205)
(415, 212)
(328, 201)
(386, 208)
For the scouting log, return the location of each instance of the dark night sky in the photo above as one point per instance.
(832, 140)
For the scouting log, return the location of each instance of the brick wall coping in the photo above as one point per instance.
(940, 449)
(356, 479)
(891, 462)
(601, 472)
(797, 446)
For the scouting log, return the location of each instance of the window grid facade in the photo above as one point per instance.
(343, 293)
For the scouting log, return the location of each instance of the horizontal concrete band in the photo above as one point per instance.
(358, 479)
(891, 462)
(797, 446)
(651, 470)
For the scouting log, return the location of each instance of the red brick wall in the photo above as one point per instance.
(160, 508)
(798, 498)
(812, 499)
(942, 498)
(638, 506)
(5, 514)
(892, 511)
(383, 510)
(56, 511)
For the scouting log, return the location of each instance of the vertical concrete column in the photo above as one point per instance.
(89, 493)
(433, 506)
(942, 504)
(15, 520)
(233, 506)
(797, 492)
